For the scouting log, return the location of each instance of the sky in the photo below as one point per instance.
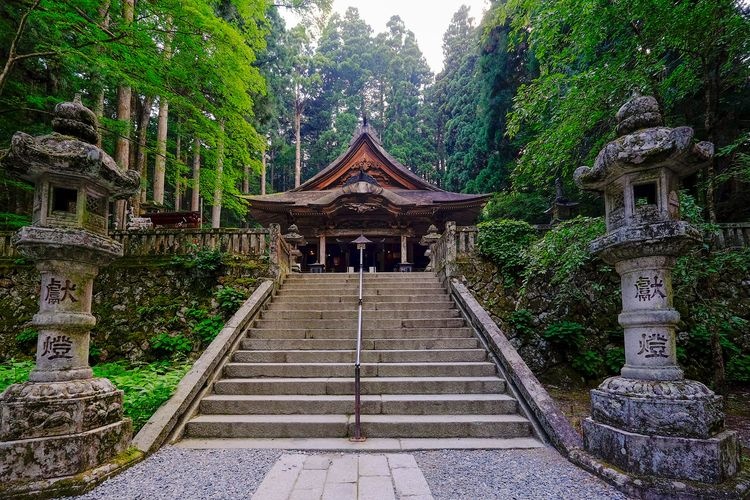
(428, 19)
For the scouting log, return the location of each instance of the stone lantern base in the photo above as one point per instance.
(60, 429)
(672, 429)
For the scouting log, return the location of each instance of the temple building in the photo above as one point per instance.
(365, 191)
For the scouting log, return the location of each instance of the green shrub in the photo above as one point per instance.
(528, 207)
(229, 299)
(208, 328)
(522, 322)
(568, 334)
(170, 345)
(589, 364)
(564, 249)
(505, 243)
(27, 337)
(14, 372)
(205, 260)
(614, 359)
(146, 386)
(11, 222)
(738, 369)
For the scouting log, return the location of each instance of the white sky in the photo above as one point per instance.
(428, 19)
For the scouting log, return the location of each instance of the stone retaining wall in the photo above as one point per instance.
(134, 300)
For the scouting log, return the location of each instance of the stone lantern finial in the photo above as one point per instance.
(76, 120)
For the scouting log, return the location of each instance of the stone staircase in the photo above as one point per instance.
(424, 374)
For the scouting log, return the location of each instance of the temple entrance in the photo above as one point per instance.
(384, 255)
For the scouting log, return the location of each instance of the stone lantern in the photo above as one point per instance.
(428, 240)
(650, 420)
(295, 240)
(63, 421)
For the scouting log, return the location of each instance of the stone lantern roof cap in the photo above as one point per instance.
(644, 145)
(69, 151)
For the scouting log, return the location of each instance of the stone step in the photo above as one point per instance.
(369, 385)
(317, 370)
(391, 404)
(274, 344)
(426, 426)
(367, 292)
(353, 299)
(351, 333)
(347, 288)
(349, 307)
(354, 281)
(355, 276)
(369, 315)
(367, 356)
(385, 324)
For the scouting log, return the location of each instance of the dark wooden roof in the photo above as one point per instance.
(365, 175)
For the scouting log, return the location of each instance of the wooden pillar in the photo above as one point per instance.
(322, 249)
(404, 249)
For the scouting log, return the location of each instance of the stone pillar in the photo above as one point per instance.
(404, 249)
(63, 422)
(650, 421)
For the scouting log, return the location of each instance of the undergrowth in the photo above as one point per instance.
(146, 385)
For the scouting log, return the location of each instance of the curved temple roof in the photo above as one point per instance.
(365, 178)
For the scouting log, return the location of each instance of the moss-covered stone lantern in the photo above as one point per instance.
(650, 420)
(63, 421)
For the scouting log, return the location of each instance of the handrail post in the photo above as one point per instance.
(358, 437)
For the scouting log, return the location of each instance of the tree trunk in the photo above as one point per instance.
(99, 97)
(177, 172)
(298, 147)
(12, 54)
(122, 147)
(140, 153)
(263, 173)
(195, 202)
(246, 180)
(712, 91)
(219, 186)
(160, 161)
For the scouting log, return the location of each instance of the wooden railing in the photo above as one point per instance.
(165, 242)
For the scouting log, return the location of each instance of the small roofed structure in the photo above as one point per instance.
(365, 191)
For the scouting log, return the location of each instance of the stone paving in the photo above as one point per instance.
(343, 477)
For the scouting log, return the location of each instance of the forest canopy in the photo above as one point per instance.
(212, 98)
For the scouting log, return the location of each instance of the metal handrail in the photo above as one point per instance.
(361, 242)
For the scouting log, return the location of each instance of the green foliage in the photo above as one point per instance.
(14, 372)
(525, 206)
(207, 329)
(564, 249)
(522, 321)
(229, 299)
(614, 359)
(505, 243)
(568, 334)
(589, 364)
(171, 345)
(11, 222)
(204, 260)
(27, 337)
(738, 369)
(146, 386)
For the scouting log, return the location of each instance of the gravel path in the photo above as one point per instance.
(509, 474)
(178, 473)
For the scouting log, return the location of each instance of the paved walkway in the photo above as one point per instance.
(175, 473)
(344, 477)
